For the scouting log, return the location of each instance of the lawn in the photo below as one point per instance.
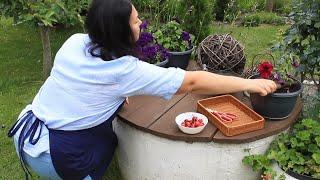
(255, 39)
(20, 76)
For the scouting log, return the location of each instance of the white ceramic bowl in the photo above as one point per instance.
(188, 115)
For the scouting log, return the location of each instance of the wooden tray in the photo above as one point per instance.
(247, 120)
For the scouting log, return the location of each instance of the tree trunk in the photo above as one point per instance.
(269, 5)
(47, 60)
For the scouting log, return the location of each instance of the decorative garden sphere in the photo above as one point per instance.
(221, 53)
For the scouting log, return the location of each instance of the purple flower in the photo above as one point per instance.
(150, 52)
(277, 78)
(147, 49)
(144, 25)
(144, 39)
(164, 54)
(185, 36)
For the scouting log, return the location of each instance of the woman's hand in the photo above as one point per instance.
(261, 86)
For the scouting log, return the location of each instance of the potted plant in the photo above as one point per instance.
(148, 49)
(277, 105)
(179, 43)
(297, 153)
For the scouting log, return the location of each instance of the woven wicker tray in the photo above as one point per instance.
(247, 120)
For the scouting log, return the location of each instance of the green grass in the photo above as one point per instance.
(255, 39)
(21, 77)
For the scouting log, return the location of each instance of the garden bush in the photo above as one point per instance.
(170, 11)
(152, 9)
(238, 7)
(196, 16)
(220, 8)
(251, 5)
(45, 15)
(283, 6)
(301, 42)
(262, 18)
(297, 151)
(47, 12)
(233, 9)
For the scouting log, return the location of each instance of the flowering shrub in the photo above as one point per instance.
(172, 37)
(147, 47)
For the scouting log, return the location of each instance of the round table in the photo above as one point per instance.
(151, 146)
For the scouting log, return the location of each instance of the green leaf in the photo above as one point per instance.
(167, 45)
(248, 160)
(282, 177)
(303, 135)
(313, 148)
(305, 42)
(298, 169)
(317, 25)
(308, 122)
(257, 162)
(316, 129)
(317, 139)
(316, 157)
(308, 22)
(294, 142)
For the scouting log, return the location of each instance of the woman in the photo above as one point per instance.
(66, 132)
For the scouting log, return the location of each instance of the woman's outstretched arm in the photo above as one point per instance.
(202, 82)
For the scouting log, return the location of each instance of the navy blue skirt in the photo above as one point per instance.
(75, 154)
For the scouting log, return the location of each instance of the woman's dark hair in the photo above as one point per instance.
(107, 24)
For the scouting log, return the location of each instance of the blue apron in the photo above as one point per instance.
(74, 154)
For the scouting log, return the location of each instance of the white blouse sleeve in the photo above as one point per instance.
(141, 78)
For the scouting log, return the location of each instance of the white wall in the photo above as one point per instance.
(145, 156)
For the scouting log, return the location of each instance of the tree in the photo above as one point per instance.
(196, 16)
(45, 14)
(269, 5)
(220, 8)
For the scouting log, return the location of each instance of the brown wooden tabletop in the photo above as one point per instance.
(157, 116)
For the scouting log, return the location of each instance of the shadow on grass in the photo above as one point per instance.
(113, 171)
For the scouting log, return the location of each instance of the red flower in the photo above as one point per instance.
(295, 64)
(265, 69)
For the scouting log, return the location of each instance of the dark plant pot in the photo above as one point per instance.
(179, 59)
(300, 176)
(275, 106)
(162, 63)
(290, 174)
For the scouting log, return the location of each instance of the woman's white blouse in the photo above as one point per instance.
(83, 91)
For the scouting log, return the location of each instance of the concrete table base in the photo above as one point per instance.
(145, 156)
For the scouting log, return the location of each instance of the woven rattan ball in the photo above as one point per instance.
(221, 53)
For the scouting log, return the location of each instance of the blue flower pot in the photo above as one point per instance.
(179, 59)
